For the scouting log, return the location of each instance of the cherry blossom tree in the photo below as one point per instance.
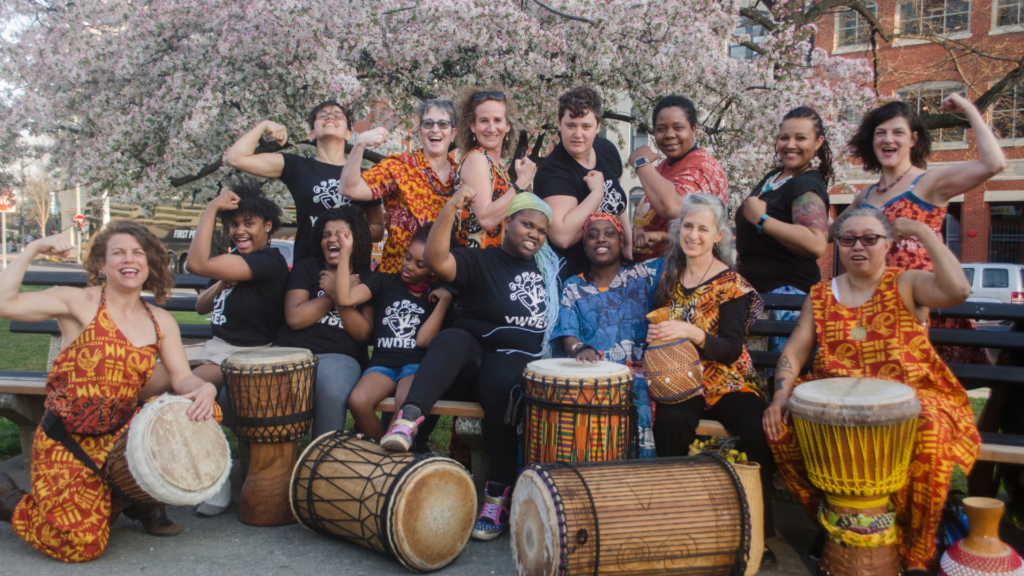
(143, 98)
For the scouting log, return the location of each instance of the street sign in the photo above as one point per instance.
(7, 201)
(79, 220)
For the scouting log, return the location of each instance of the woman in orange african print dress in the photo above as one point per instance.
(863, 324)
(711, 306)
(93, 388)
(486, 137)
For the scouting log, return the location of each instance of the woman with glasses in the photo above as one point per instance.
(486, 139)
(863, 324)
(414, 187)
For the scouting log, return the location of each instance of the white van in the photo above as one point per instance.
(995, 282)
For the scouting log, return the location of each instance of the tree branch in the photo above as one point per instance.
(753, 47)
(819, 10)
(986, 100)
(563, 14)
(758, 18)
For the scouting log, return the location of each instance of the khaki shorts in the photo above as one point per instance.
(214, 351)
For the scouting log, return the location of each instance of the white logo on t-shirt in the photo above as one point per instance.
(528, 289)
(613, 203)
(217, 317)
(402, 318)
(332, 318)
(327, 194)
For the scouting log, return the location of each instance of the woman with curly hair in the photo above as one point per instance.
(90, 403)
(486, 139)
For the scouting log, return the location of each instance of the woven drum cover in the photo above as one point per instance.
(750, 478)
(959, 561)
(255, 359)
(570, 369)
(854, 402)
(673, 370)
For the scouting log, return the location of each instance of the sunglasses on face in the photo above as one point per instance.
(867, 239)
(441, 124)
(331, 115)
(493, 94)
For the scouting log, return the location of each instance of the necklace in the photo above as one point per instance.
(701, 281)
(858, 332)
(882, 190)
(771, 184)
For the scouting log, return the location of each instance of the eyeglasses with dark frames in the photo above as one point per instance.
(493, 94)
(441, 124)
(848, 240)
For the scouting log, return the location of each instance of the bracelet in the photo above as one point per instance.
(585, 347)
(760, 222)
(517, 188)
(574, 348)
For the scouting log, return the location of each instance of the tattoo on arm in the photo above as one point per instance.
(810, 211)
(782, 372)
(780, 382)
(784, 364)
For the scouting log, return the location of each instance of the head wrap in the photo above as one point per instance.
(606, 217)
(547, 262)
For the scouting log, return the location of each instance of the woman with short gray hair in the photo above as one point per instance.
(414, 186)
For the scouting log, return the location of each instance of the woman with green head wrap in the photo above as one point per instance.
(509, 297)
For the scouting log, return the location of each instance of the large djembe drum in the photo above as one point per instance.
(418, 508)
(272, 392)
(660, 516)
(578, 411)
(857, 436)
(166, 458)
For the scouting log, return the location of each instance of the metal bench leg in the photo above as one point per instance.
(470, 431)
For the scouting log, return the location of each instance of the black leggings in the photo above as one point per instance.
(675, 427)
(457, 367)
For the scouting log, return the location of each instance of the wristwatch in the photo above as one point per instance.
(641, 161)
(517, 188)
(761, 222)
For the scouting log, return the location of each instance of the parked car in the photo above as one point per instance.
(286, 248)
(992, 282)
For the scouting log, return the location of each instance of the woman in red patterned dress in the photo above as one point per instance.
(863, 324)
(111, 338)
(893, 140)
(486, 137)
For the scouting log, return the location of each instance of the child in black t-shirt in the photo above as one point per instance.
(407, 316)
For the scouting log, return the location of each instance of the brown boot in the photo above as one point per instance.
(10, 495)
(154, 519)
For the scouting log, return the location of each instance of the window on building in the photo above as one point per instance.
(1009, 12)
(934, 16)
(852, 29)
(747, 30)
(1008, 114)
(926, 100)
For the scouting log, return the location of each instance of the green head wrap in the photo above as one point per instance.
(527, 201)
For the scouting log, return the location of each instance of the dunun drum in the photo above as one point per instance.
(418, 508)
(272, 392)
(166, 458)
(857, 436)
(578, 411)
(672, 368)
(666, 516)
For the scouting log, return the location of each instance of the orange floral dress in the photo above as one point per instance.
(910, 254)
(470, 233)
(413, 195)
(896, 349)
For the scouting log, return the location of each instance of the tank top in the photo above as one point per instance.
(94, 384)
(470, 233)
(909, 253)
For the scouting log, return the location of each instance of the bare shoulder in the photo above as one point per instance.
(165, 319)
(474, 160)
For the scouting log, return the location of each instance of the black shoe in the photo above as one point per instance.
(816, 549)
(10, 495)
(768, 559)
(154, 519)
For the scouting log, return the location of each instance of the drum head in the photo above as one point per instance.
(854, 402)
(536, 550)
(268, 357)
(570, 369)
(432, 514)
(174, 459)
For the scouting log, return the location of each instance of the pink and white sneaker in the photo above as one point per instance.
(493, 519)
(402, 432)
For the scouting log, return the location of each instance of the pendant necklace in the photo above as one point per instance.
(859, 332)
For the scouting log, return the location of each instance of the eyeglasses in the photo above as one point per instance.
(493, 94)
(331, 115)
(441, 124)
(867, 239)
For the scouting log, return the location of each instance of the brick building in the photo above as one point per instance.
(983, 225)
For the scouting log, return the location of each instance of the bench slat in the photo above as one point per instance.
(31, 383)
(50, 327)
(79, 279)
(443, 408)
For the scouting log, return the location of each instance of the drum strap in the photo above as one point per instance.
(269, 421)
(54, 428)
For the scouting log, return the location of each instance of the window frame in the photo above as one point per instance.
(996, 28)
(753, 26)
(949, 34)
(838, 48)
(940, 85)
(1018, 109)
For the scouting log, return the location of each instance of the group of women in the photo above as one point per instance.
(480, 276)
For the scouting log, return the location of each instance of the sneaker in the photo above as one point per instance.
(493, 519)
(401, 434)
(218, 504)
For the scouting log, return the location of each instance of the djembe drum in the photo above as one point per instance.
(578, 411)
(418, 508)
(672, 368)
(271, 391)
(661, 516)
(856, 436)
(166, 458)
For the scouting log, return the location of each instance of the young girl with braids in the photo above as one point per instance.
(408, 314)
(782, 228)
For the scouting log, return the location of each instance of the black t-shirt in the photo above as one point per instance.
(315, 189)
(561, 175)
(251, 312)
(328, 335)
(503, 299)
(398, 316)
(763, 260)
